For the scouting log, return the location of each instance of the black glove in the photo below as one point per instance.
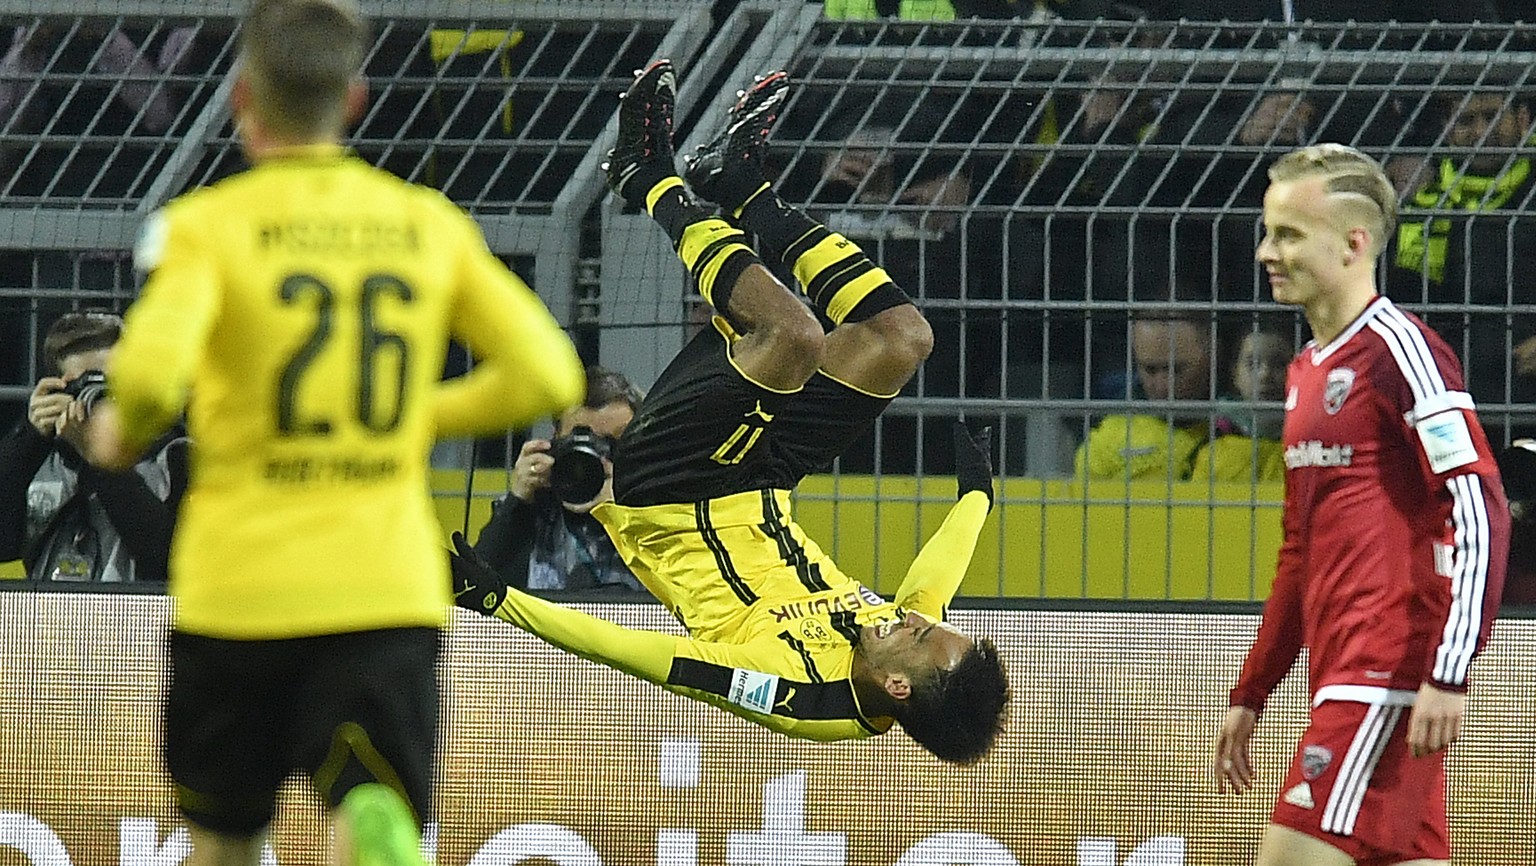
(476, 586)
(973, 465)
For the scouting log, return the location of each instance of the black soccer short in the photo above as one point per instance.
(240, 716)
(705, 430)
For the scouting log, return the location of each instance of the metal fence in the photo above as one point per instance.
(107, 110)
(1051, 193)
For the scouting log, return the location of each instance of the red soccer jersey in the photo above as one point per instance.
(1396, 526)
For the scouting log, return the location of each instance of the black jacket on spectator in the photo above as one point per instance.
(539, 545)
(68, 520)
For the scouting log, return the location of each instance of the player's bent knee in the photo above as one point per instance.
(906, 336)
(800, 341)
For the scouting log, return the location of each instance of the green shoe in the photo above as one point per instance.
(384, 833)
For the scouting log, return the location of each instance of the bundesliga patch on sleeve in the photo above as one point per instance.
(753, 690)
(150, 247)
(1446, 441)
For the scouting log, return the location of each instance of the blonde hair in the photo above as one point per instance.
(1356, 180)
(300, 56)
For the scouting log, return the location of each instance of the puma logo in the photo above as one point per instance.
(788, 696)
(758, 412)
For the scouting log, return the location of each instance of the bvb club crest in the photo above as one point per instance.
(1340, 380)
(1314, 760)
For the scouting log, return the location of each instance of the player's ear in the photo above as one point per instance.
(1358, 243)
(898, 686)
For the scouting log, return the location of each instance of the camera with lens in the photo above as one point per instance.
(578, 474)
(87, 389)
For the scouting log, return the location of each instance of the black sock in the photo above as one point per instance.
(668, 202)
(776, 224)
(715, 253)
(734, 188)
(841, 282)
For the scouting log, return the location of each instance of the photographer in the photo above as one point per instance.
(540, 535)
(1517, 465)
(65, 519)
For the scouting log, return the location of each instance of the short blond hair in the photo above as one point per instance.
(300, 57)
(1357, 180)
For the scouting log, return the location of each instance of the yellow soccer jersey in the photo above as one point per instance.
(1137, 446)
(772, 622)
(305, 306)
(1240, 458)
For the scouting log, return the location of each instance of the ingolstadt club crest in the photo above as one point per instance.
(1314, 760)
(1340, 380)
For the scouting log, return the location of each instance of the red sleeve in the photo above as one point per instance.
(1281, 631)
(1459, 465)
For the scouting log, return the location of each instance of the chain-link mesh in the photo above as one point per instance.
(1040, 187)
(1074, 205)
(104, 117)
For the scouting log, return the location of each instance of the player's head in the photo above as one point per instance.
(1328, 213)
(950, 690)
(80, 341)
(300, 77)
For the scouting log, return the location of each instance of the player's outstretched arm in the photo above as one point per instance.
(648, 655)
(478, 587)
(935, 575)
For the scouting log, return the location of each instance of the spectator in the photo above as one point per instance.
(1207, 146)
(1048, 10)
(1290, 11)
(1252, 450)
(68, 520)
(907, 10)
(1173, 355)
(1468, 246)
(537, 541)
(34, 48)
(880, 167)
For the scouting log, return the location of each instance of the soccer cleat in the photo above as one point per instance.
(383, 831)
(644, 146)
(743, 141)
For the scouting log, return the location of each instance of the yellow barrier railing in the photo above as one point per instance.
(1046, 539)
